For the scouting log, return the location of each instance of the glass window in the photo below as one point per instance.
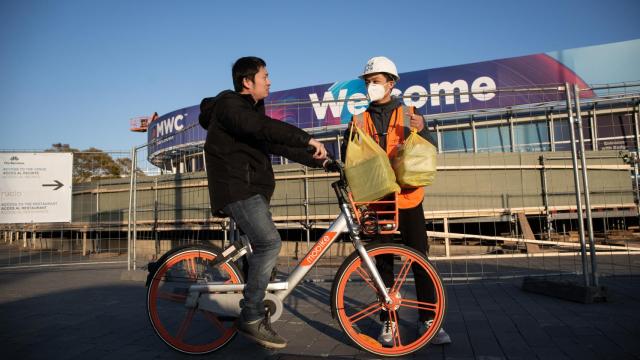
(613, 125)
(457, 140)
(493, 139)
(586, 132)
(561, 130)
(615, 131)
(562, 134)
(532, 136)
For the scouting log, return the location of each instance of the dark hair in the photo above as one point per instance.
(245, 67)
(390, 77)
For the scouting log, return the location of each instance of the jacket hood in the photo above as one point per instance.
(207, 107)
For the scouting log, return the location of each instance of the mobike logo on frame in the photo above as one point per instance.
(483, 88)
(319, 248)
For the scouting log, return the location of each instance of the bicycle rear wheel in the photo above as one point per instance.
(189, 330)
(357, 305)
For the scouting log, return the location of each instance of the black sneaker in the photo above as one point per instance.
(261, 332)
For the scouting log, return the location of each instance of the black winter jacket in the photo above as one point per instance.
(240, 138)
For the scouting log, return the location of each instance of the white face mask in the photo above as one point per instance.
(375, 92)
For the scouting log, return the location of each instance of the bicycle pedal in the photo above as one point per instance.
(234, 252)
(240, 253)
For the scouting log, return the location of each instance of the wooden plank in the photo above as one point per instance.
(527, 233)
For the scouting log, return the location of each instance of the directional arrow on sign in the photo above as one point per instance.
(58, 185)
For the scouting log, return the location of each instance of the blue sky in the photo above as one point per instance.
(76, 71)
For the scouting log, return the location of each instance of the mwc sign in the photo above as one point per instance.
(169, 126)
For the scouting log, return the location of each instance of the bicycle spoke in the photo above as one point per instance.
(184, 326)
(172, 297)
(418, 305)
(365, 276)
(369, 310)
(393, 316)
(191, 268)
(214, 320)
(172, 278)
(402, 275)
(193, 331)
(363, 333)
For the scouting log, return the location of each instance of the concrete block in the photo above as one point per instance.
(567, 289)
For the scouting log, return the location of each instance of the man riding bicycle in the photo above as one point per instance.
(240, 138)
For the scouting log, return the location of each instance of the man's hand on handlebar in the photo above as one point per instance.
(331, 165)
(320, 151)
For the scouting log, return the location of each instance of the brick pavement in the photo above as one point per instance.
(88, 312)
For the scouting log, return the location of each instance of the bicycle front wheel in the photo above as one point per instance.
(189, 329)
(361, 311)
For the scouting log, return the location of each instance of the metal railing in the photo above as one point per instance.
(489, 214)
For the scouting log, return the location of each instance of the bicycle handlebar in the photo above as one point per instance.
(332, 165)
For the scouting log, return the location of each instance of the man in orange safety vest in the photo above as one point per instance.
(389, 122)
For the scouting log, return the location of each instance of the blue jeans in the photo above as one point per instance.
(253, 217)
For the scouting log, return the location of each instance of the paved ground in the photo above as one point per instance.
(88, 312)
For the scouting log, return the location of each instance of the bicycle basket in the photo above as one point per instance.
(377, 217)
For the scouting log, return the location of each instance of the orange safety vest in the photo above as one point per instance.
(399, 128)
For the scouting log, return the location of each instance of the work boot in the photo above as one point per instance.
(386, 333)
(441, 337)
(261, 332)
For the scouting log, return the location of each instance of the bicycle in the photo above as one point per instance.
(195, 291)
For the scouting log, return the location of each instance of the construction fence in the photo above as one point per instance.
(505, 203)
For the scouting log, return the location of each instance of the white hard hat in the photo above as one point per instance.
(380, 64)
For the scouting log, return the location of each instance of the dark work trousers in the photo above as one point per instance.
(413, 230)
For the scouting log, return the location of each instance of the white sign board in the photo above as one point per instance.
(35, 187)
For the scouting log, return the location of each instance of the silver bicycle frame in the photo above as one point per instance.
(343, 224)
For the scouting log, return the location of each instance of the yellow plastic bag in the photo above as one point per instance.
(367, 168)
(415, 163)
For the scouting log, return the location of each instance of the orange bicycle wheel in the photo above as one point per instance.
(189, 330)
(357, 305)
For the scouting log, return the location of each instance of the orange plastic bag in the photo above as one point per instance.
(367, 168)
